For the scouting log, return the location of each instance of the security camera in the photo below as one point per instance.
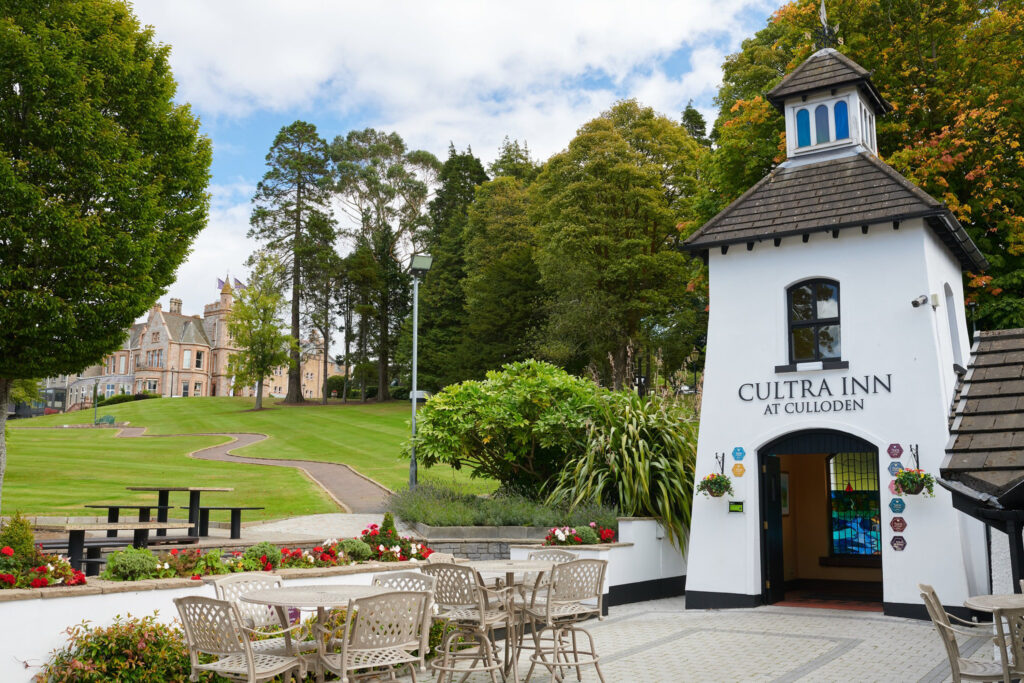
(919, 301)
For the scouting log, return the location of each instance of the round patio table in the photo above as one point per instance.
(510, 568)
(990, 603)
(320, 598)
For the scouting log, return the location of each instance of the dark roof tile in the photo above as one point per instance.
(838, 193)
(826, 69)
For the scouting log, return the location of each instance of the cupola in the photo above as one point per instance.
(829, 103)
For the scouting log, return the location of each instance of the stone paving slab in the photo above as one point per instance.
(661, 641)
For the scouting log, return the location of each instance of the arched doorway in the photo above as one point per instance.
(820, 518)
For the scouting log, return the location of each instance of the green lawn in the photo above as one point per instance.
(57, 472)
(367, 437)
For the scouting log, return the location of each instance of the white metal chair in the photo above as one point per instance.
(440, 558)
(964, 669)
(380, 631)
(574, 594)
(214, 627)
(412, 581)
(474, 612)
(271, 624)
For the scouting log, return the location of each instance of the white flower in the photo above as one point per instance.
(309, 558)
(396, 549)
(167, 565)
(58, 582)
(381, 547)
(49, 567)
(413, 559)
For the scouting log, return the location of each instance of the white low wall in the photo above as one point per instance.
(643, 553)
(31, 629)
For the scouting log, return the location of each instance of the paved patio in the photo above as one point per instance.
(661, 641)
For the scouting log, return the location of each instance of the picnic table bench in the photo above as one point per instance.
(114, 513)
(76, 535)
(163, 495)
(236, 518)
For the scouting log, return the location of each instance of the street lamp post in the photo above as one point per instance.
(420, 265)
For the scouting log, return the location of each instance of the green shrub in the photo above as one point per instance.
(440, 504)
(640, 458)
(519, 426)
(211, 562)
(356, 550)
(16, 533)
(400, 393)
(131, 564)
(128, 651)
(336, 383)
(587, 535)
(124, 398)
(256, 553)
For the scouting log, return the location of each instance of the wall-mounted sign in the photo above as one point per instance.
(895, 467)
(895, 450)
(898, 524)
(738, 470)
(892, 488)
(735, 506)
(897, 506)
(738, 453)
(806, 396)
(898, 543)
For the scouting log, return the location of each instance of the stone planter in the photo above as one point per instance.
(477, 542)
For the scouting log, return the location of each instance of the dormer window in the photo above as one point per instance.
(821, 123)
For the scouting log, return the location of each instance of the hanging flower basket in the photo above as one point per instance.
(913, 482)
(715, 485)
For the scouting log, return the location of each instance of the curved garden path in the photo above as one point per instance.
(349, 489)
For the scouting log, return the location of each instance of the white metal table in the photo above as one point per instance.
(320, 598)
(510, 568)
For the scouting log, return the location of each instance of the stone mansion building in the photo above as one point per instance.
(178, 355)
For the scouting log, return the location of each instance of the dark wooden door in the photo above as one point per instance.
(771, 531)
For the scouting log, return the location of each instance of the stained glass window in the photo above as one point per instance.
(821, 124)
(856, 512)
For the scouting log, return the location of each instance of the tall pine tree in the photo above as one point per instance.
(293, 217)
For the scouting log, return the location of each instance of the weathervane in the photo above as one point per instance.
(826, 35)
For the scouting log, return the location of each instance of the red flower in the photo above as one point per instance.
(41, 570)
(7, 550)
(268, 567)
(174, 551)
(426, 552)
(577, 539)
(374, 532)
(607, 535)
(196, 577)
(365, 531)
(263, 559)
(373, 526)
(41, 582)
(7, 578)
(318, 549)
(77, 578)
(284, 551)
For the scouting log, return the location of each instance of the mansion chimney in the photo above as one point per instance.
(176, 306)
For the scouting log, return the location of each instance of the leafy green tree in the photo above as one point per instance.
(256, 326)
(384, 188)
(519, 426)
(24, 391)
(952, 72)
(442, 314)
(514, 161)
(323, 290)
(504, 296)
(293, 217)
(609, 212)
(103, 179)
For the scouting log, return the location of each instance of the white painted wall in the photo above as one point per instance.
(879, 274)
(30, 630)
(644, 553)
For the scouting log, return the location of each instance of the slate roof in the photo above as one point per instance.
(985, 453)
(849, 191)
(186, 329)
(823, 70)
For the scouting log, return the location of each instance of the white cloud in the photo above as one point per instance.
(464, 71)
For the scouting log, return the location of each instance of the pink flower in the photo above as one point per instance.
(7, 550)
(593, 525)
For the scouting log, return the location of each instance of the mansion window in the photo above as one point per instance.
(197, 389)
(156, 337)
(184, 389)
(186, 359)
(813, 312)
(199, 360)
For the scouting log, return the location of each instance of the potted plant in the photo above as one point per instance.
(913, 482)
(715, 485)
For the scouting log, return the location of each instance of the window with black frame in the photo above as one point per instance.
(813, 308)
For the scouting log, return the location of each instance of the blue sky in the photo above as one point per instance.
(466, 72)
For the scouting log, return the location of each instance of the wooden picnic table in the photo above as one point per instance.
(114, 513)
(163, 495)
(76, 534)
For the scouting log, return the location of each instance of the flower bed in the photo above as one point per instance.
(593, 534)
(23, 565)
